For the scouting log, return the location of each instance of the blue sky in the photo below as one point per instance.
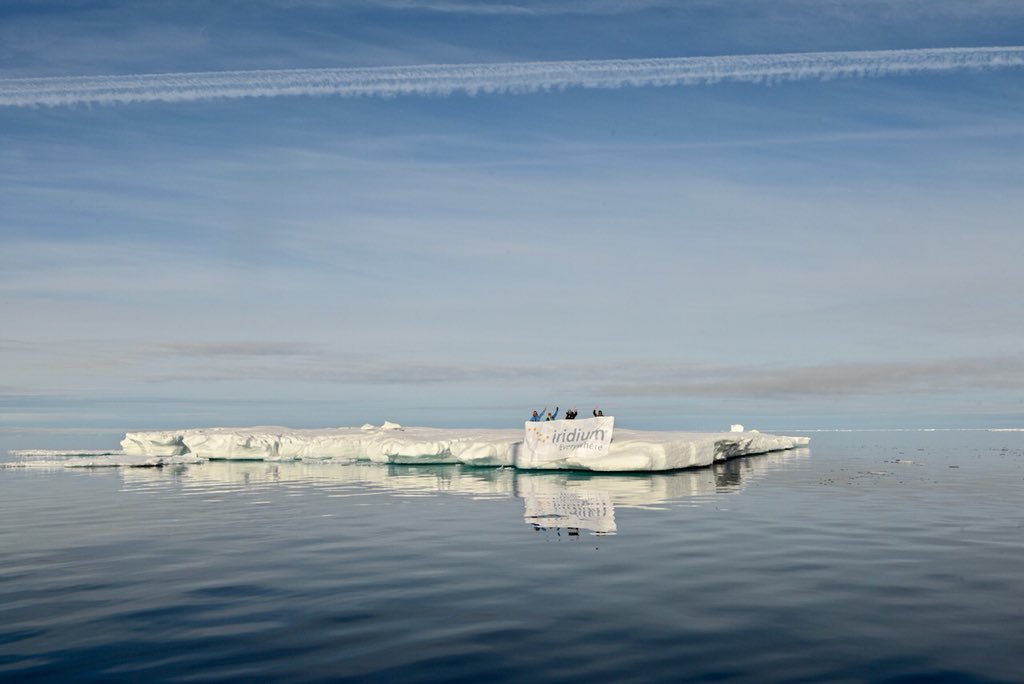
(815, 253)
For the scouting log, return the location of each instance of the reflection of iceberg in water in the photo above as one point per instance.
(567, 501)
(333, 478)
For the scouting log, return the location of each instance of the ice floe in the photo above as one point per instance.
(631, 450)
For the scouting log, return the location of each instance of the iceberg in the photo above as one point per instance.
(630, 451)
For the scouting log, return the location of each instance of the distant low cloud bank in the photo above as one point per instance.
(504, 78)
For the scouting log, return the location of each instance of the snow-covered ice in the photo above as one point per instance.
(631, 450)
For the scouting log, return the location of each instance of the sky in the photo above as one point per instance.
(201, 237)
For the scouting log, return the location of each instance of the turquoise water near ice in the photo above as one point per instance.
(870, 557)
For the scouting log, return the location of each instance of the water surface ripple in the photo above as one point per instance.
(873, 557)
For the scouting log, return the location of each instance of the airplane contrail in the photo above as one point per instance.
(507, 77)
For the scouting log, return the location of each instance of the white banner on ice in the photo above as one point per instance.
(551, 441)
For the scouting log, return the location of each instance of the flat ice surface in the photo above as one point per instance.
(631, 450)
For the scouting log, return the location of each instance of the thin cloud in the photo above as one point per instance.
(947, 376)
(845, 9)
(638, 379)
(525, 8)
(238, 349)
(505, 78)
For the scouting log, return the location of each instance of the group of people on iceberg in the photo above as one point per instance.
(570, 414)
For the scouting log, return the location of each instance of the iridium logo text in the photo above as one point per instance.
(576, 435)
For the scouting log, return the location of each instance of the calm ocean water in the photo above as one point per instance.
(871, 557)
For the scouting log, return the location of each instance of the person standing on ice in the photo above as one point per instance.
(570, 414)
(553, 417)
(536, 417)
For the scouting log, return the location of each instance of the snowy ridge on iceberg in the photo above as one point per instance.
(631, 450)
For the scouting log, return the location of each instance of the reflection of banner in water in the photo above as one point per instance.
(560, 440)
(589, 510)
